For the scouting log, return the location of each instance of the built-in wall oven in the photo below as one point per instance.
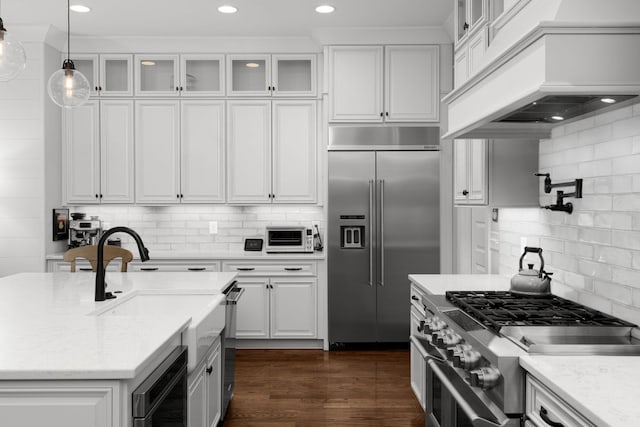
(161, 399)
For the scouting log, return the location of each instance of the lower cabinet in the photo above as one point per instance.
(545, 408)
(418, 366)
(204, 399)
(279, 301)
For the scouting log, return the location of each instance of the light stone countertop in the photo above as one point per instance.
(213, 256)
(47, 330)
(604, 389)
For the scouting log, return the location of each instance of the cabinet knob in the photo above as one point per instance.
(177, 88)
(96, 88)
(381, 114)
(386, 114)
(96, 196)
(465, 26)
(181, 89)
(100, 88)
(181, 196)
(465, 192)
(101, 196)
(209, 370)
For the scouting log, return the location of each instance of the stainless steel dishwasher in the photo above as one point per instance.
(228, 341)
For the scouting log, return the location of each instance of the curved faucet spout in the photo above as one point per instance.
(101, 295)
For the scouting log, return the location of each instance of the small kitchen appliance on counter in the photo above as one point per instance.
(83, 232)
(289, 239)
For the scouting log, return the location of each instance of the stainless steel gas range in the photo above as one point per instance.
(471, 343)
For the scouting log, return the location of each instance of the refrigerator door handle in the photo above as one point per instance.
(381, 236)
(371, 195)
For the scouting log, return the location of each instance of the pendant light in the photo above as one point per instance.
(12, 57)
(68, 87)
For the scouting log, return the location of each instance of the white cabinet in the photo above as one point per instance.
(179, 157)
(271, 75)
(108, 74)
(469, 57)
(271, 151)
(469, 16)
(204, 390)
(545, 408)
(418, 364)
(279, 300)
(157, 75)
(384, 84)
(201, 75)
(97, 155)
(496, 172)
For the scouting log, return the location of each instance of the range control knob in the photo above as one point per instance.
(436, 325)
(437, 336)
(467, 359)
(484, 378)
(458, 348)
(447, 339)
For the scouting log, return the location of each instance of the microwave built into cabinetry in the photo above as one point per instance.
(279, 301)
(384, 83)
(97, 152)
(495, 172)
(284, 75)
(271, 151)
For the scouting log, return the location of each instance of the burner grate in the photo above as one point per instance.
(496, 309)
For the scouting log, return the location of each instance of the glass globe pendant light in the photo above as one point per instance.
(68, 87)
(12, 57)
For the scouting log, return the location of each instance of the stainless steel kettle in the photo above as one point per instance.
(531, 282)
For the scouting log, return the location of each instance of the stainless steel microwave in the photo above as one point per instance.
(289, 239)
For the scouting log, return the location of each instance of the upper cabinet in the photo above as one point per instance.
(384, 84)
(470, 15)
(179, 75)
(285, 75)
(108, 74)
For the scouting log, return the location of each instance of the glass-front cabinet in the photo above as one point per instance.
(157, 75)
(108, 74)
(285, 75)
(470, 14)
(180, 75)
(201, 75)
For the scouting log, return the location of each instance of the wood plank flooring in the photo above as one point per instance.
(309, 388)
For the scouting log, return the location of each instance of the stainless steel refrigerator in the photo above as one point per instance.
(383, 224)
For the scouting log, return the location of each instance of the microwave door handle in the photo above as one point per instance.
(476, 420)
(371, 207)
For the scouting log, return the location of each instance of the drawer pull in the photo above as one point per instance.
(415, 298)
(196, 268)
(86, 269)
(245, 268)
(148, 268)
(293, 268)
(545, 417)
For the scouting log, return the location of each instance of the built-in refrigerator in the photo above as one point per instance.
(383, 224)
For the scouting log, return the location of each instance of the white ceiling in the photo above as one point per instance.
(198, 18)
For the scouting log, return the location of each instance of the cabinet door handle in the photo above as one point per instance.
(209, 370)
(273, 88)
(386, 114)
(465, 26)
(293, 268)
(245, 268)
(177, 196)
(415, 298)
(545, 417)
(196, 268)
(100, 88)
(148, 268)
(381, 114)
(181, 89)
(96, 88)
(465, 192)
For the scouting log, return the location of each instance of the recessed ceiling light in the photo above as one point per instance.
(325, 8)
(252, 65)
(557, 118)
(147, 62)
(227, 9)
(608, 100)
(80, 8)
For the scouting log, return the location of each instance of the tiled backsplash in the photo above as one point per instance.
(185, 228)
(594, 253)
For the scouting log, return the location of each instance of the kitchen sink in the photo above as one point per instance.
(207, 312)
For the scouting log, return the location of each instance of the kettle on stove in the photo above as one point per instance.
(531, 282)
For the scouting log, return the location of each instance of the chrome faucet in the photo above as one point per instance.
(101, 295)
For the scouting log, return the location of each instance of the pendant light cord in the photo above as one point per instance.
(68, 30)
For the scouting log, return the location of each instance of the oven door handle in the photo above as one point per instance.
(476, 420)
(421, 346)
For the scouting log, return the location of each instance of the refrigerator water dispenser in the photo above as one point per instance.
(352, 236)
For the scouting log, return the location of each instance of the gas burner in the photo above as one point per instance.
(496, 309)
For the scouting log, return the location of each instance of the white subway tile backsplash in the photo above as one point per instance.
(601, 303)
(615, 115)
(626, 276)
(636, 145)
(626, 127)
(575, 127)
(613, 256)
(616, 148)
(621, 183)
(613, 291)
(626, 239)
(595, 135)
(594, 269)
(627, 202)
(579, 250)
(627, 164)
(594, 168)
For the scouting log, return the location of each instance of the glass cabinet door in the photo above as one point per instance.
(116, 75)
(87, 64)
(248, 75)
(157, 75)
(202, 75)
(294, 75)
(462, 24)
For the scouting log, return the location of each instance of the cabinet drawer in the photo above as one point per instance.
(303, 268)
(543, 404)
(195, 267)
(416, 299)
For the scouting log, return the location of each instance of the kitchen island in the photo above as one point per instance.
(63, 354)
(601, 389)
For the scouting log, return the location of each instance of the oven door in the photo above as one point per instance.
(452, 402)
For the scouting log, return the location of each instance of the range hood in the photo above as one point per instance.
(554, 74)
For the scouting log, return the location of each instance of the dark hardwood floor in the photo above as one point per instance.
(308, 388)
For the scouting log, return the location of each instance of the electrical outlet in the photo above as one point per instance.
(213, 227)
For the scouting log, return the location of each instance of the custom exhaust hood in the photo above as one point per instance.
(555, 73)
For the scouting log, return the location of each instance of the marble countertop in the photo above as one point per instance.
(213, 256)
(604, 389)
(48, 330)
